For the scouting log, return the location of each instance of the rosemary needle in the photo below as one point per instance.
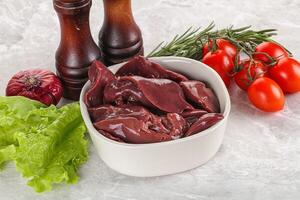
(190, 43)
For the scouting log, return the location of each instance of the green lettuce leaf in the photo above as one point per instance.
(6, 154)
(48, 144)
(13, 110)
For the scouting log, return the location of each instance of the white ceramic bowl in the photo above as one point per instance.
(157, 159)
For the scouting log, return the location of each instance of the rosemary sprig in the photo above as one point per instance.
(191, 42)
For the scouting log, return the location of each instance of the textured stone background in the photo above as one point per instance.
(260, 156)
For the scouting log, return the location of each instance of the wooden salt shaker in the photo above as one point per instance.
(77, 49)
(120, 38)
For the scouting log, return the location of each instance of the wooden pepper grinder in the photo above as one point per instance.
(77, 49)
(120, 38)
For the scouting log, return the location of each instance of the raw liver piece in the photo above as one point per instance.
(124, 92)
(122, 123)
(193, 115)
(140, 66)
(162, 94)
(203, 123)
(110, 136)
(131, 130)
(99, 76)
(109, 111)
(176, 124)
(197, 93)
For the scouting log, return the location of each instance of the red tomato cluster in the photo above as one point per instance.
(266, 77)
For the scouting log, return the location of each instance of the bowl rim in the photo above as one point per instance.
(92, 130)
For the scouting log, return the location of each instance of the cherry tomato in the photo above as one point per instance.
(221, 63)
(265, 94)
(287, 74)
(250, 71)
(270, 48)
(222, 44)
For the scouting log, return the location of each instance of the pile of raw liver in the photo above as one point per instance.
(146, 103)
